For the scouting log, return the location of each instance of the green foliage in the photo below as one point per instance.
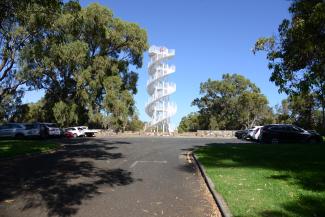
(300, 109)
(231, 103)
(283, 113)
(189, 123)
(36, 112)
(20, 114)
(118, 102)
(253, 108)
(21, 22)
(83, 64)
(303, 109)
(268, 117)
(31, 112)
(65, 114)
(135, 124)
(297, 55)
(9, 103)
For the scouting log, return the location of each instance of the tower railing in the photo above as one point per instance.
(159, 89)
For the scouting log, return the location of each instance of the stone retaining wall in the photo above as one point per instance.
(217, 133)
(199, 133)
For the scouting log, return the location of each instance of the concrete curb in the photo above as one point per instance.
(224, 210)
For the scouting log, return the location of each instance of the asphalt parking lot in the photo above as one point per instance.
(119, 177)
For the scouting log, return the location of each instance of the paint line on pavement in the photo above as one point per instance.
(133, 165)
(147, 161)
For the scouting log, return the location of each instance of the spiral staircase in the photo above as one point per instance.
(158, 107)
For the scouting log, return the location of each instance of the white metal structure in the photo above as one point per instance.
(159, 89)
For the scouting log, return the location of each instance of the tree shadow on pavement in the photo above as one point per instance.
(63, 180)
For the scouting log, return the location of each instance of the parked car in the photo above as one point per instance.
(241, 134)
(13, 130)
(76, 131)
(52, 129)
(37, 130)
(88, 132)
(33, 130)
(68, 134)
(278, 133)
(254, 133)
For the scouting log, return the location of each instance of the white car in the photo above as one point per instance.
(254, 132)
(76, 131)
(88, 132)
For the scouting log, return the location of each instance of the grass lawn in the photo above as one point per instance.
(268, 180)
(10, 148)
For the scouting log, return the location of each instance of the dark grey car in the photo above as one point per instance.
(277, 133)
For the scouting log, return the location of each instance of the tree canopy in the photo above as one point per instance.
(297, 54)
(20, 23)
(135, 124)
(231, 103)
(190, 123)
(301, 110)
(82, 60)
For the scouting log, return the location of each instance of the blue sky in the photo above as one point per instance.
(211, 37)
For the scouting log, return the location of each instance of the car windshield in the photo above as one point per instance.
(277, 128)
(52, 125)
(70, 129)
(30, 126)
(15, 126)
(298, 129)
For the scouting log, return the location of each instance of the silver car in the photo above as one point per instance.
(52, 129)
(35, 130)
(42, 130)
(13, 130)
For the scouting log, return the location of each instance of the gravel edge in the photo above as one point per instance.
(224, 210)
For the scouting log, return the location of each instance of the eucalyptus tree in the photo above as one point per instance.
(20, 23)
(301, 110)
(297, 54)
(190, 123)
(83, 64)
(231, 103)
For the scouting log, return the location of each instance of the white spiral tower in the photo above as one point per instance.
(159, 108)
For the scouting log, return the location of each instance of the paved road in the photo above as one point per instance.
(113, 177)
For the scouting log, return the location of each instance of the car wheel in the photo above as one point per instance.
(274, 141)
